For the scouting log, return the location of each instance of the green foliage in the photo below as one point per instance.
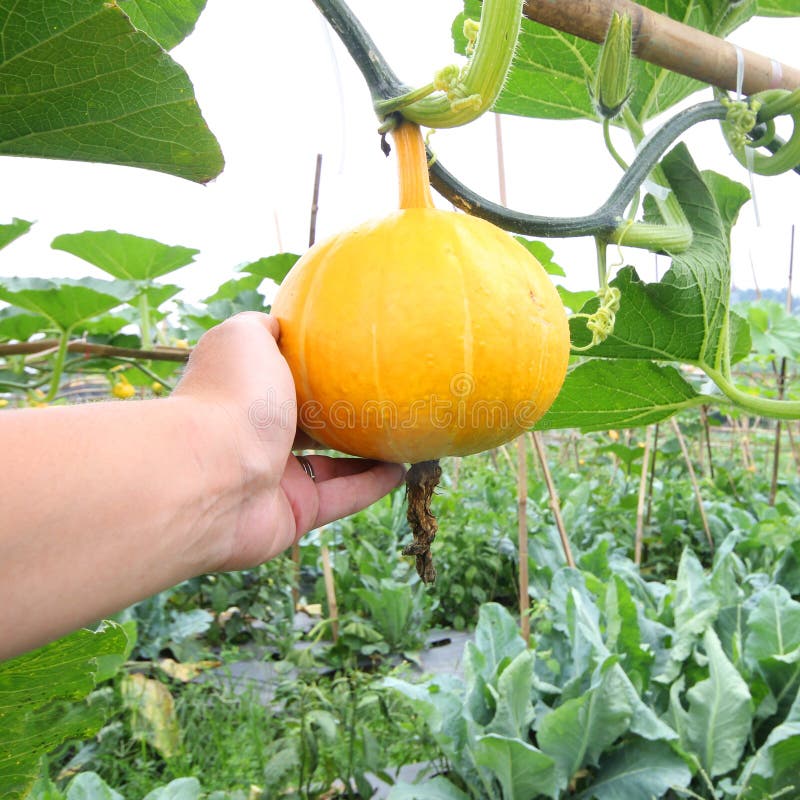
(47, 696)
(166, 21)
(58, 59)
(124, 256)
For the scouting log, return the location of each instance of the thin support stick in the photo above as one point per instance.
(312, 228)
(707, 430)
(693, 478)
(522, 533)
(554, 502)
(640, 506)
(330, 592)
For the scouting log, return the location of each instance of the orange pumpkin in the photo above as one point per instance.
(424, 334)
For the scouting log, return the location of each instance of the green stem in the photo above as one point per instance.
(385, 107)
(763, 406)
(601, 246)
(483, 77)
(58, 365)
(610, 145)
(144, 322)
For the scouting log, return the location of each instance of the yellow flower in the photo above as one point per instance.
(123, 389)
(613, 435)
(156, 387)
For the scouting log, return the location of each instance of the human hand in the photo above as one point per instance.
(238, 387)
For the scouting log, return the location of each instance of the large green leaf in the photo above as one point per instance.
(522, 770)
(166, 21)
(513, 708)
(42, 701)
(20, 325)
(13, 230)
(720, 713)
(772, 643)
(683, 317)
(580, 729)
(125, 256)
(552, 70)
(438, 788)
(79, 82)
(65, 302)
(603, 393)
(275, 267)
(638, 769)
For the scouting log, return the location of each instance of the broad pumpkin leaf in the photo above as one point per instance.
(167, 21)
(20, 325)
(551, 71)
(125, 256)
(234, 287)
(159, 293)
(717, 724)
(78, 81)
(543, 254)
(774, 331)
(65, 302)
(43, 701)
(13, 230)
(521, 770)
(685, 316)
(274, 267)
(601, 393)
(638, 769)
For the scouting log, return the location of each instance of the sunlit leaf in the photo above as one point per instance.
(521, 770)
(167, 21)
(65, 302)
(79, 82)
(13, 230)
(20, 325)
(601, 394)
(124, 255)
(273, 267)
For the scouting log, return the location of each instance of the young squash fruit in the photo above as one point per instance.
(424, 334)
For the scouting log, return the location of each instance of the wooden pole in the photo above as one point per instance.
(693, 478)
(666, 43)
(92, 349)
(522, 535)
(522, 458)
(329, 589)
(554, 502)
(781, 376)
(640, 506)
(330, 592)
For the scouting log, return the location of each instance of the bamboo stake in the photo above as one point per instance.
(554, 502)
(91, 349)
(667, 43)
(522, 460)
(330, 592)
(707, 429)
(522, 534)
(781, 375)
(652, 474)
(640, 509)
(312, 235)
(693, 479)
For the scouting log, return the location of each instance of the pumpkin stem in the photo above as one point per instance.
(412, 166)
(421, 480)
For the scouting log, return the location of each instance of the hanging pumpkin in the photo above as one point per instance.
(424, 334)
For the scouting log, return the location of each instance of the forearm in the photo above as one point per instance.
(102, 505)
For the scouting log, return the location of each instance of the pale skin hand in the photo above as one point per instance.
(106, 504)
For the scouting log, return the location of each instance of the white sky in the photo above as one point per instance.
(277, 88)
